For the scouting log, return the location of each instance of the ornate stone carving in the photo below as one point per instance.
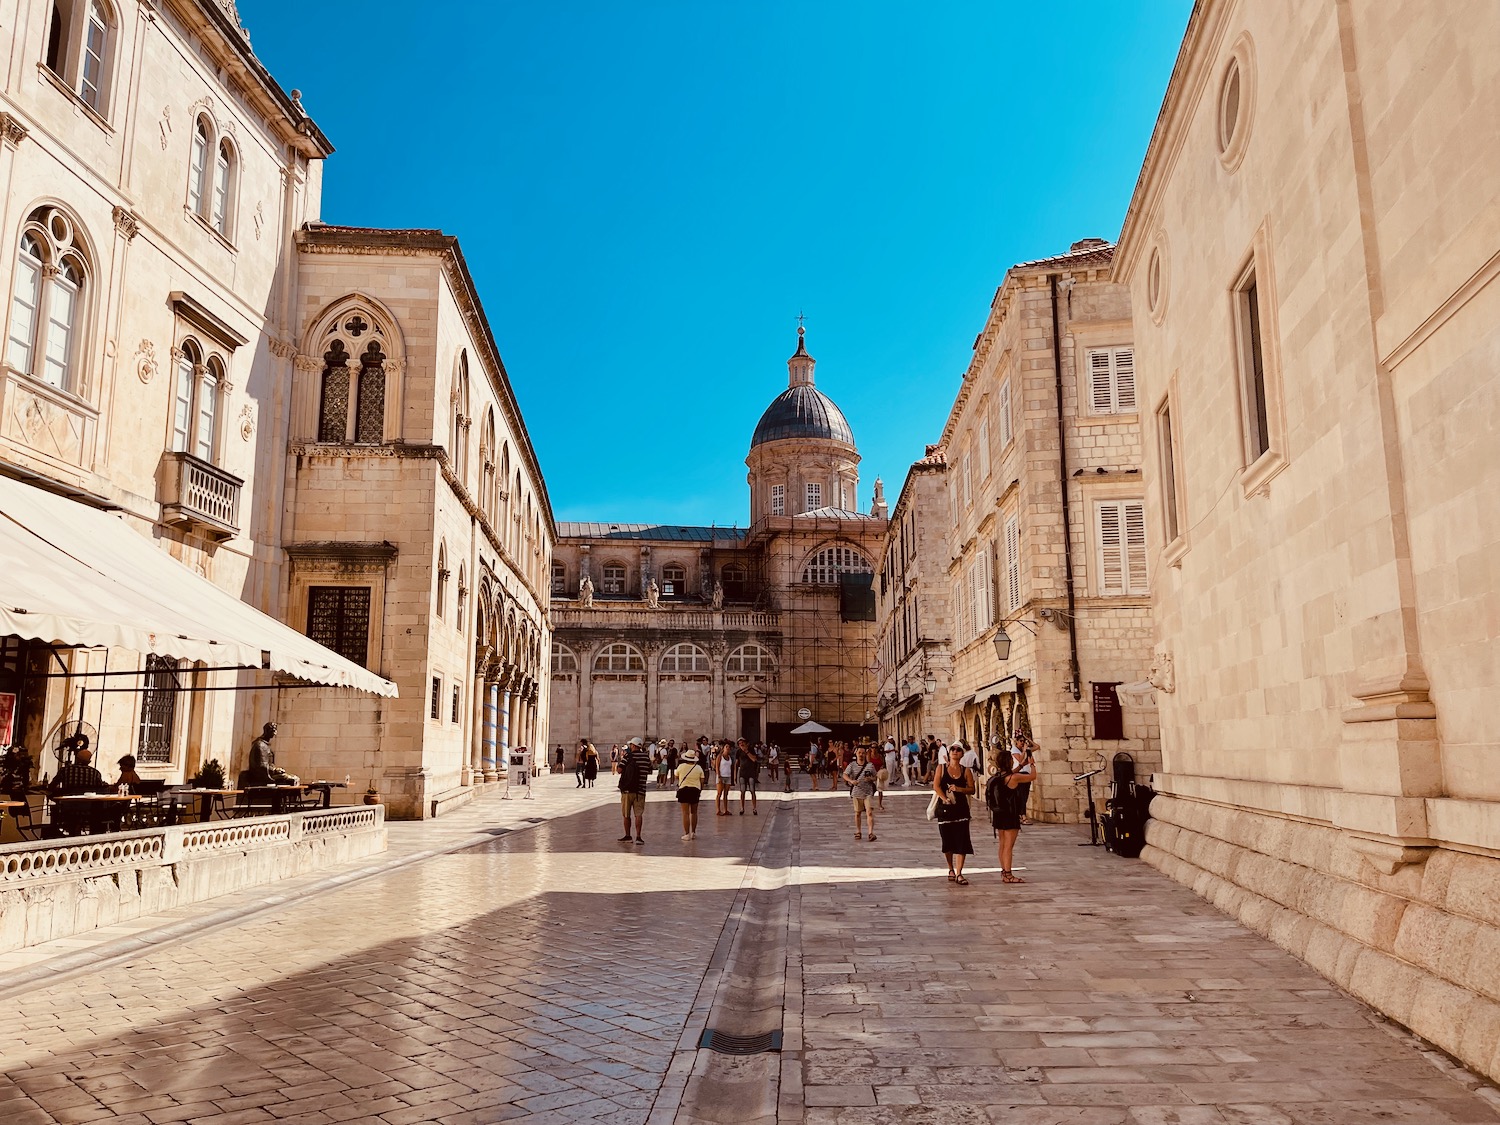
(586, 592)
(126, 223)
(307, 363)
(259, 218)
(1162, 676)
(282, 349)
(247, 422)
(653, 595)
(145, 361)
(11, 130)
(165, 126)
(717, 600)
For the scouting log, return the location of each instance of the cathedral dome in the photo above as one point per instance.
(802, 411)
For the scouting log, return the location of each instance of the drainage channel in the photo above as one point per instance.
(736, 1073)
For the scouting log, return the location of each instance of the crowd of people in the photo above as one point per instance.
(734, 766)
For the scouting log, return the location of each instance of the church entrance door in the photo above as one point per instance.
(750, 724)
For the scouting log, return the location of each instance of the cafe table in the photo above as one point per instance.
(210, 801)
(94, 812)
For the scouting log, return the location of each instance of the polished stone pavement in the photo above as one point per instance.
(551, 974)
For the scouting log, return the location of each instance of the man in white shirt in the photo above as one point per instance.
(890, 759)
(908, 759)
(970, 759)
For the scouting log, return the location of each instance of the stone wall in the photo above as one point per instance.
(54, 889)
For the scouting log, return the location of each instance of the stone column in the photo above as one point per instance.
(652, 650)
(718, 651)
(474, 759)
(503, 749)
(586, 695)
(491, 725)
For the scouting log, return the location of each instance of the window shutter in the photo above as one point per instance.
(1007, 428)
(984, 450)
(1101, 401)
(1125, 380)
(1135, 546)
(1111, 550)
(967, 475)
(989, 585)
(1012, 564)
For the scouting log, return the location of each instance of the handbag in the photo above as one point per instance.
(932, 807)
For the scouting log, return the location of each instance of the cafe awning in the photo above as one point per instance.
(1006, 686)
(74, 575)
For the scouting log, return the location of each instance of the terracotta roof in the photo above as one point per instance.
(1084, 252)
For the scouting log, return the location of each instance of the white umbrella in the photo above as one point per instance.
(811, 727)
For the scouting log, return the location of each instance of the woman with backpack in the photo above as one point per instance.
(1003, 798)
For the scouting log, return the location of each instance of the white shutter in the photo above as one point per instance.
(1135, 546)
(989, 585)
(1124, 381)
(1101, 380)
(984, 450)
(1012, 564)
(1007, 427)
(1111, 549)
(967, 475)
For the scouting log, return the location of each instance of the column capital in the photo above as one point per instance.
(12, 132)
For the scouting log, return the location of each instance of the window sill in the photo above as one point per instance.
(1257, 476)
(72, 95)
(213, 232)
(68, 400)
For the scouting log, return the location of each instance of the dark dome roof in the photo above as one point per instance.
(802, 411)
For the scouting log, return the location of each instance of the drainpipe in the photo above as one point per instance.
(1062, 484)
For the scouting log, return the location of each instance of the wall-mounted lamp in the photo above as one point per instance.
(930, 683)
(1002, 645)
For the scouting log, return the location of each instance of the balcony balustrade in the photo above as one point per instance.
(199, 494)
(667, 617)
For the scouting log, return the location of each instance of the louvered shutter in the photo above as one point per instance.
(1012, 564)
(1007, 426)
(1124, 381)
(984, 450)
(1135, 546)
(1101, 380)
(989, 585)
(1111, 549)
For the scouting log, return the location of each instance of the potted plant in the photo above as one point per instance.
(372, 795)
(210, 775)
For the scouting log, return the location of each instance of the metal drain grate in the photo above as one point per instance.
(726, 1044)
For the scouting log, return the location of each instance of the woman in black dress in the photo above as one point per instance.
(953, 784)
(1003, 795)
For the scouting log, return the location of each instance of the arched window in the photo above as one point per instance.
(736, 580)
(352, 405)
(80, 48)
(198, 166)
(205, 434)
(825, 567)
(463, 599)
(564, 663)
(487, 486)
(47, 300)
(673, 581)
(750, 660)
(221, 203)
(458, 426)
(619, 658)
(442, 579)
(685, 659)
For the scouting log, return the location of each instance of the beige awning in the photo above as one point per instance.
(1006, 686)
(74, 575)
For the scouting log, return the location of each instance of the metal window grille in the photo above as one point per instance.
(158, 710)
(338, 617)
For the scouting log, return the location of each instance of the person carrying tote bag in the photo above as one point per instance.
(690, 778)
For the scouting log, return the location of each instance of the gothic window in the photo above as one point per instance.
(487, 486)
(673, 581)
(333, 414)
(613, 581)
(369, 426)
(47, 301)
(463, 599)
(685, 659)
(619, 658)
(564, 663)
(750, 660)
(458, 426)
(338, 618)
(828, 565)
(197, 385)
(80, 48)
(442, 579)
(158, 710)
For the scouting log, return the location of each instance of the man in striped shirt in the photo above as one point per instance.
(635, 768)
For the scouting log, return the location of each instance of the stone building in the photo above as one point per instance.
(171, 305)
(1045, 549)
(1312, 250)
(675, 632)
(914, 620)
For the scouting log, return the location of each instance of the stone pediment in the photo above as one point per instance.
(750, 696)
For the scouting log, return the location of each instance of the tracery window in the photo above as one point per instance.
(826, 567)
(47, 300)
(619, 658)
(352, 407)
(686, 659)
(750, 659)
(442, 579)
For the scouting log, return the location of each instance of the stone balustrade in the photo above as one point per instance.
(54, 888)
(667, 617)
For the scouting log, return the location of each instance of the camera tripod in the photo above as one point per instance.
(1092, 814)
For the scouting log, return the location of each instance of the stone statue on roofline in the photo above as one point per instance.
(653, 595)
(586, 592)
(718, 595)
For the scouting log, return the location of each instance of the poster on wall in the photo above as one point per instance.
(7, 717)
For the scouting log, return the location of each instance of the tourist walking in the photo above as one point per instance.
(591, 766)
(724, 776)
(859, 775)
(581, 762)
(1002, 794)
(690, 778)
(635, 768)
(880, 760)
(953, 784)
(909, 760)
(747, 769)
(1023, 755)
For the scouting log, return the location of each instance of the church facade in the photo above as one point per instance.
(675, 632)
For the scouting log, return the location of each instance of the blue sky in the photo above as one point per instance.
(648, 192)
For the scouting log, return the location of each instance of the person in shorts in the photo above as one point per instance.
(690, 779)
(723, 776)
(635, 768)
(860, 777)
(747, 768)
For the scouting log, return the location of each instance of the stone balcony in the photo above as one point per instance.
(635, 616)
(197, 493)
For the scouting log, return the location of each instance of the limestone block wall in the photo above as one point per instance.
(1420, 945)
